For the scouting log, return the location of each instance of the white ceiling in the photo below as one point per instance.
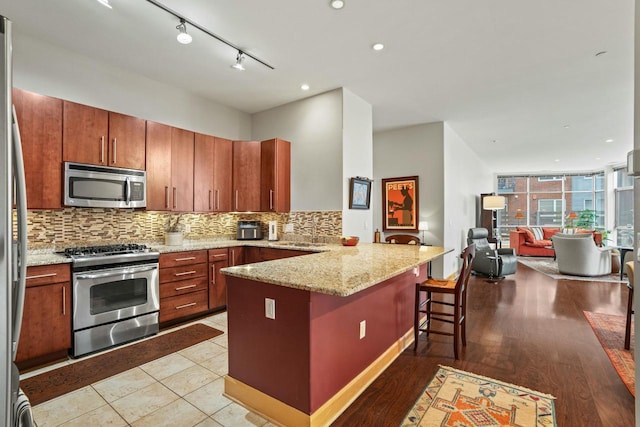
(518, 80)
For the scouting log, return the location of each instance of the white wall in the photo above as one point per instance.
(636, 194)
(465, 178)
(314, 127)
(357, 160)
(415, 150)
(53, 71)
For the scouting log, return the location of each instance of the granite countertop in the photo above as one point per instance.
(340, 270)
(38, 257)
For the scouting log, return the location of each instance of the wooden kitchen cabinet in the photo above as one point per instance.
(236, 256)
(46, 320)
(40, 123)
(99, 137)
(218, 258)
(212, 174)
(275, 181)
(170, 160)
(256, 254)
(183, 285)
(246, 176)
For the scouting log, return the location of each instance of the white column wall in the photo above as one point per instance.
(314, 127)
(465, 178)
(357, 160)
(54, 71)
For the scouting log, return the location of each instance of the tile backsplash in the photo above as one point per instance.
(59, 229)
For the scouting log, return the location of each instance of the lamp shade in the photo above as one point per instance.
(423, 226)
(572, 215)
(493, 202)
(519, 215)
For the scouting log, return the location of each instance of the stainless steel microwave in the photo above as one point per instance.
(104, 187)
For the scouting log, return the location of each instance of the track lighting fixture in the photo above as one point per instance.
(239, 58)
(337, 4)
(183, 37)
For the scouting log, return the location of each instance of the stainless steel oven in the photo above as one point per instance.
(115, 296)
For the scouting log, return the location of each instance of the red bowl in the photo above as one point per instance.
(349, 240)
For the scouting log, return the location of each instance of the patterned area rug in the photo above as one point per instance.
(457, 398)
(549, 267)
(609, 329)
(57, 382)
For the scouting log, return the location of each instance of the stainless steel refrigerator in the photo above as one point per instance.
(15, 410)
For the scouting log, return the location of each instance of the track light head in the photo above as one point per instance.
(183, 37)
(239, 58)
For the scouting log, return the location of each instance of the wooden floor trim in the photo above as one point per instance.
(283, 414)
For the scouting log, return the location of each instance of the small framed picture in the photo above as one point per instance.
(359, 193)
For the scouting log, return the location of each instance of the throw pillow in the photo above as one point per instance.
(528, 234)
(549, 232)
(537, 233)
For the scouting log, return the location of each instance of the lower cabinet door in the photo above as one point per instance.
(183, 305)
(46, 324)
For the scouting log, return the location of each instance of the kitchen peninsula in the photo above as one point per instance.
(308, 334)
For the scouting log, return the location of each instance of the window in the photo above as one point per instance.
(623, 208)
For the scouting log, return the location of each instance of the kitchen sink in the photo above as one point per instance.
(299, 244)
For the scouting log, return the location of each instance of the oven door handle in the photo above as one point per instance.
(127, 270)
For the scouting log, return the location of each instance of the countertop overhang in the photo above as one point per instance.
(340, 270)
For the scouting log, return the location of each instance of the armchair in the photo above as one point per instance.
(491, 262)
(578, 255)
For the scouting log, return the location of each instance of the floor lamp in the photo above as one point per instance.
(493, 203)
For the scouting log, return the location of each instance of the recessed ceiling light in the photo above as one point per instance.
(609, 140)
(567, 126)
(597, 158)
(105, 3)
(304, 87)
(378, 46)
(602, 52)
(557, 160)
(337, 4)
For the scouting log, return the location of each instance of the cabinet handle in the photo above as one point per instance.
(217, 207)
(40, 276)
(115, 149)
(185, 305)
(219, 255)
(233, 257)
(271, 199)
(185, 287)
(236, 199)
(175, 192)
(102, 149)
(64, 301)
(210, 194)
(166, 197)
(189, 258)
(213, 274)
(185, 273)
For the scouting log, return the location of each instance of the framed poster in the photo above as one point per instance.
(359, 193)
(400, 204)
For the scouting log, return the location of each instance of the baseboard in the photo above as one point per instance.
(282, 414)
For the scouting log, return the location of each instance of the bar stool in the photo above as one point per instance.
(627, 326)
(456, 287)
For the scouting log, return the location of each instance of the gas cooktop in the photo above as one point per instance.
(110, 255)
(105, 250)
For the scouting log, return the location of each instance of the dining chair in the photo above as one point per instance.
(457, 317)
(405, 239)
(627, 326)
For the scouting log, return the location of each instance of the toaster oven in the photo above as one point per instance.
(249, 230)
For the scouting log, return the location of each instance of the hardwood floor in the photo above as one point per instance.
(528, 330)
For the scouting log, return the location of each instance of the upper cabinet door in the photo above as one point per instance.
(275, 192)
(182, 169)
(246, 176)
(203, 194)
(126, 141)
(85, 136)
(158, 167)
(222, 175)
(40, 122)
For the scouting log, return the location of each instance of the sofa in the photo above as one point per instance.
(578, 255)
(536, 241)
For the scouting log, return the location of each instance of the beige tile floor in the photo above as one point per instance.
(183, 389)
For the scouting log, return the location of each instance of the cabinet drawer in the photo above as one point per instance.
(183, 305)
(182, 258)
(171, 289)
(216, 255)
(183, 272)
(47, 274)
